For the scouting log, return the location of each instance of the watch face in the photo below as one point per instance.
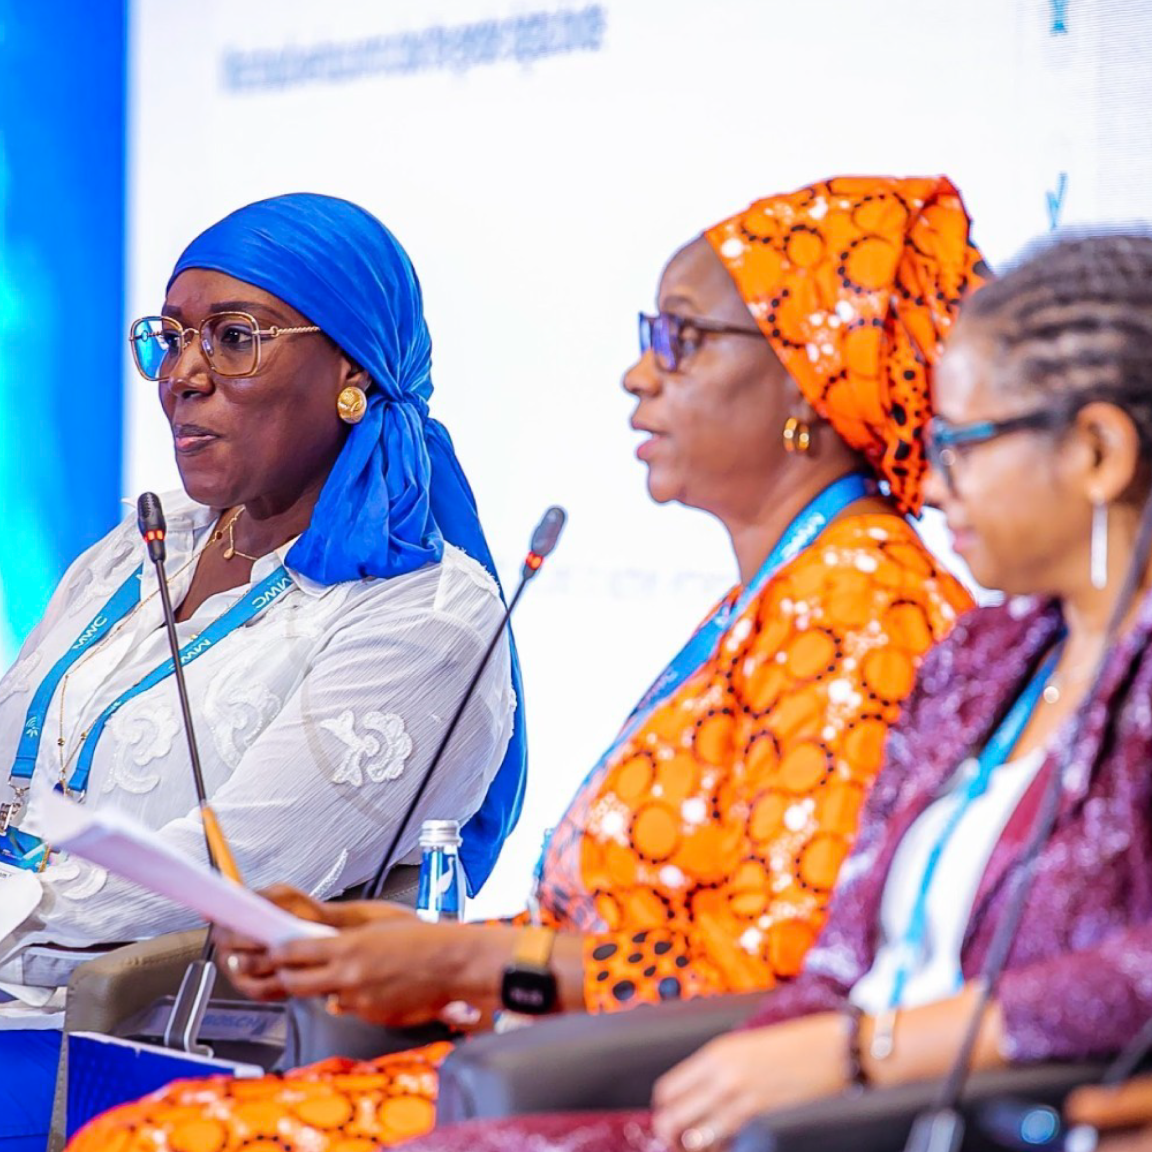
(531, 991)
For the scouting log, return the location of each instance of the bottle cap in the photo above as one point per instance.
(440, 834)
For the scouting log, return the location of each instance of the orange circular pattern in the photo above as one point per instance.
(762, 762)
(337, 1106)
(855, 282)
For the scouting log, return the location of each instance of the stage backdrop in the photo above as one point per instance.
(541, 163)
(62, 101)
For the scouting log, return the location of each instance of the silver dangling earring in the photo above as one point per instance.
(1099, 561)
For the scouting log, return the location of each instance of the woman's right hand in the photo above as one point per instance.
(246, 960)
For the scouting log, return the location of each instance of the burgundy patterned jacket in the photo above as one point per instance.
(1079, 978)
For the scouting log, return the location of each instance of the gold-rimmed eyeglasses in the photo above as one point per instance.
(231, 342)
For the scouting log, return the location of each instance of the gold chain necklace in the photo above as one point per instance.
(232, 550)
(216, 536)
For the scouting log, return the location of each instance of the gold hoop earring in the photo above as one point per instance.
(352, 403)
(797, 436)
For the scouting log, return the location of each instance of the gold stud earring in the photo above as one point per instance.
(352, 403)
(797, 436)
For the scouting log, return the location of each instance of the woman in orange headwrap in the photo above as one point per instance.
(783, 387)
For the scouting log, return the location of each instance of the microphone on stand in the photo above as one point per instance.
(941, 1129)
(314, 1032)
(150, 518)
(191, 1001)
(544, 540)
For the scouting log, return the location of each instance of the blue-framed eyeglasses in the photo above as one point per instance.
(672, 337)
(944, 441)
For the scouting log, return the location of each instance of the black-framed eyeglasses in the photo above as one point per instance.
(231, 342)
(672, 337)
(944, 441)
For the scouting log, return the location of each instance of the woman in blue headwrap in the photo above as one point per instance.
(327, 560)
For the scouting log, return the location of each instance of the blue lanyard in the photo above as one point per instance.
(259, 598)
(124, 599)
(262, 596)
(705, 641)
(979, 775)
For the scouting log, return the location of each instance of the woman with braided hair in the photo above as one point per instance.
(1042, 454)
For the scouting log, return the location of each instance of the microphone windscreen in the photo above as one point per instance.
(548, 531)
(149, 514)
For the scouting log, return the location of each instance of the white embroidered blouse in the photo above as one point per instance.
(315, 722)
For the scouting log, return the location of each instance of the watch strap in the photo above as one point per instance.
(534, 947)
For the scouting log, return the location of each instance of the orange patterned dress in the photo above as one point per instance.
(699, 860)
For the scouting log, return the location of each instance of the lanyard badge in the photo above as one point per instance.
(19, 849)
(22, 849)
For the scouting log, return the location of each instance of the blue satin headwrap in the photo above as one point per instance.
(397, 491)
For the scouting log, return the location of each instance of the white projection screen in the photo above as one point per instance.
(541, 164)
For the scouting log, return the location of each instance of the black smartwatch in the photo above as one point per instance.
(529, 986)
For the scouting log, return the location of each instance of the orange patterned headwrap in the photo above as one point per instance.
(855, 282)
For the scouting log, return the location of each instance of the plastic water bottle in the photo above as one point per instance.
(442, 891)
(441, 896)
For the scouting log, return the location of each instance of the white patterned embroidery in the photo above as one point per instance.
(380, 750)
(74, 882)
(298, 619)
(19, 679)
(142, 732)
(473, 569)
(79, 593)
(238, 709)
(329, 881)
(62, 869)
(91, 586)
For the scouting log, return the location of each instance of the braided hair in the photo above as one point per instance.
(1072, 322)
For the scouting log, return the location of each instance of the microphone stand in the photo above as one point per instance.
(544, 539)
(183, 1028)
(941, 1129)
(313, 1032)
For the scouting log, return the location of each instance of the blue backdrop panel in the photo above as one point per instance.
(62, 193)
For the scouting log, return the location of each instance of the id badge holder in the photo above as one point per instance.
(23, 850)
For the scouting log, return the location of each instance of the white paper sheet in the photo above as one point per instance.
(21, 1006)
(132, 851)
